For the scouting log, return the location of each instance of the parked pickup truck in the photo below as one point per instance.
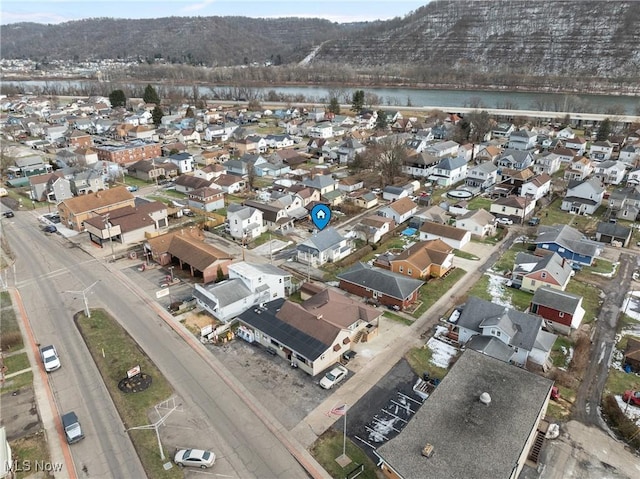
(71, 426)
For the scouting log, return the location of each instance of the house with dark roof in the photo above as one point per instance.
(244, 222)
(536, 187)
(50, 187)
(625, 202)
(577, 144)
(482, 176)
(522, 339)
(531, 272)
(423, 260)
(583, 197)
(601, 150)
(631, 358)
(230, 184)
(580, 168)
(274, 216)
(248, 285)
(187, 183)
(380, 285)
(562, 311)
(206, 199)
(614, 234)
(313, 334)
(400, 210)
(480, 422)
(393, 193)
(516, 208)
(454, 237)
(522, 140)
(610, 172)
(326, 246)
(420, 164)
(568, 243)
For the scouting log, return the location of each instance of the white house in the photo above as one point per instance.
(455, 237)
(449, 171)
(442, 149)
(610, 172)
(248, 285)
(322, 129)
(522, 140)
(577, 144)
(325, 246)
(579, 169)
(601, 150)
(478, 222)
(372, 228)
(515, 207)
(400, 210)
(537, 187)
(483, 175)
(583, 197)
(630, 154)
(548, 162)
(244, 222)
(184, 162)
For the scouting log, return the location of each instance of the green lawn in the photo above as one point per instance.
(31, 448)
(16, 363)
(10, 335)
(481, 288)
(601, 266)
(329, 446)
(17, 382)
(115, 352)
(618, 382)
(558, 357)
(397, 318)
(507, 260)
(436, 288)
(554, 215)
(420, 361)
(480, 202)
(590, 298)
(465, 255)
(518, 299)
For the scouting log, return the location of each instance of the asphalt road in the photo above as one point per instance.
(589, 393)
(45, 267)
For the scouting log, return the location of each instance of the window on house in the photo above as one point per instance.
(533, 282)
(544, 275)
(545, 246)
(401, 269)
(504, 209)
(561, 250)
(409, 272)
(561, 314)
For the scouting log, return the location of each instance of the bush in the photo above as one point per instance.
(617, 420)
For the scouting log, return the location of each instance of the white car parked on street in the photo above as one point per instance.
(50, 358)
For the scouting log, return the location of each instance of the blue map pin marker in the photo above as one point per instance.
(320, 215)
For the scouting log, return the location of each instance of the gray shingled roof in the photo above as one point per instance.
(567, 237)
(553, 264)
(491, 347)
(322, 240)
(523, 328)
(614, 230)
(229, 291)
(471, 439)
(555, 299)
(377, 279)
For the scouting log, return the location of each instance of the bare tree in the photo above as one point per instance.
(391, 155)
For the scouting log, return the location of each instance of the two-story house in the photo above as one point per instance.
(583, 197)
(482, 176)
(184, 162)
(610, 172)
(516, 208)
(522, 140)
(515, 159)
(449, 171)
(625, 202)
(547, 162)
(400, 210)
(530, 272)
(244, 222)
(206, 199)
(577, 144)
(248, 285)
(601, 150)
(568, 243)
(579, 169)
(562, 311)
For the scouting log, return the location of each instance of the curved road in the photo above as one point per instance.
(247, 437)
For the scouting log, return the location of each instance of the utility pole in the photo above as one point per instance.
(87, 311)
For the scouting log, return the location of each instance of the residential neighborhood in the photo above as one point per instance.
(469, 263)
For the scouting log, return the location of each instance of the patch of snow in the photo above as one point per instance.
(381, 430)
(631, 305)
(367, 353)
(441, 331)
(496, 290)
(613, 272)
(442, 353)
(633, 412)
(568, 356)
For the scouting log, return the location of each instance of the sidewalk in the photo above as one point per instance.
(392, 344)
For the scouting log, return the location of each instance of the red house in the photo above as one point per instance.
(562, 311)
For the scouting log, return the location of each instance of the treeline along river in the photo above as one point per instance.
(391, 97)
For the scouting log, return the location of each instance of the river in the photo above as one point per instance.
(395, 97)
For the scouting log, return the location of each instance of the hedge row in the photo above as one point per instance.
(618, 421)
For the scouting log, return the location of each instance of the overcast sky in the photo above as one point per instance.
(58, 11)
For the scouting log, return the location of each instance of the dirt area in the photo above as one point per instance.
(196, 321)
(19, 413)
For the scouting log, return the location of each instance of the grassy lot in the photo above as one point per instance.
(559, 358)
(159, 198)
(507, 260)
(233, 199)
(17, 382)
(31, 448)
(103, 335)
(329, 446)
(590, 298)
(518, 299)
(435, 289)
(479, 202)
(420, 361)
(600, 266)
(618, 382)
(554, 215)
(10, 335)
(465, 255)
(16, 363)
(397, 318)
